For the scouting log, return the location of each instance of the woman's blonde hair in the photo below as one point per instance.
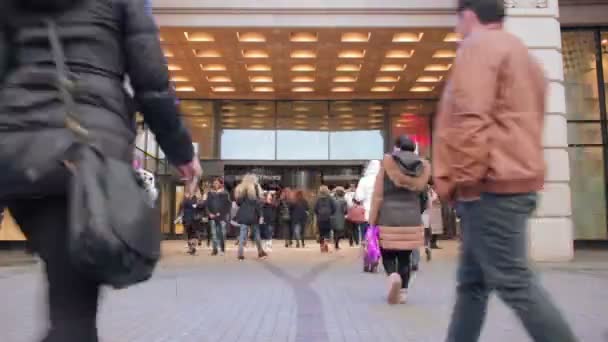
(324, 190)
(249, 187)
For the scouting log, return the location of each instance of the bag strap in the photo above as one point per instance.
(65, 85)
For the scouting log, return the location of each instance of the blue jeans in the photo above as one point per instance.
(243, 234)
(297, 232)
(494, 257)
(267, 231)
(218, 230)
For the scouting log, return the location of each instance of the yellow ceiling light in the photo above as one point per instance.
(345, 116)
(303, 79)
(259, 115)
(399, 53)
(213, 67)
(382, 89)
(219, 79)
(263, 89)
(301, 109)
(376, 107)
(168, 53)
(438, 67)
(352, 54)
(376, 115)
(261, 108)
(174, 67)
(199, 37)
(179, 79)
(375, 121)
(356, 37)
(444, 54)
(255, 54)
(303, 68)
(429, 79)
(256, 126)
(342, 89)
(343, 109)
(392, 67)
(258, 121)
(301, 127)
(324, 128)
(345, 79)
(301, 116)
(185, 89)
(303, 89)
(349, 67)
(348, 128)
(230, 120)
(407, 37)
(452, 38)
(229, 126)
(421, 89)
(223, 89)
(301, 122)
(303, 37)
(260, 79)
(387, 79)
(258, 67)
(230, 114)
(303, 54)
(207, 53)
(228, 107)
(250, 37)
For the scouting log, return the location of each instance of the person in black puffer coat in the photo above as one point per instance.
(299, 217)
(325, 208)
(248, 196)
(105, 43)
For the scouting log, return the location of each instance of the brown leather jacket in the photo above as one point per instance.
(489, 126)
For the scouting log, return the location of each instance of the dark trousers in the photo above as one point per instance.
(288, 231)
(72, 298)
(324, 230)
(398, 262)
(494, 257)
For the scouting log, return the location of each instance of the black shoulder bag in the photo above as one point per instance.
(113, 235)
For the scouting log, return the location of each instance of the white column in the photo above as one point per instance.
(551, 230)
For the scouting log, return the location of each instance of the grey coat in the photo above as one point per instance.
(339, 219)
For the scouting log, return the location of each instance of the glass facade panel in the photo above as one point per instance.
(302, 145)
(356, 145)
(584, 133)
(580, 75)
(199, 117)
(248, 144)
(588, 192)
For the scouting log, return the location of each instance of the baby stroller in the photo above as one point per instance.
(371, 250)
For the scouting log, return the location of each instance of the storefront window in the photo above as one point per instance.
(248, 130)
(302, 130)
(356, 130)
(413, 118)
(585, 117)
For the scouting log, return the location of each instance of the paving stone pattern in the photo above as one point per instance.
(296, 295)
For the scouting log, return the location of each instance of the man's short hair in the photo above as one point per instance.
(488, 11)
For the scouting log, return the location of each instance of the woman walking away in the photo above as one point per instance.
(285, 216)
(396, 210)
(269, 214)
(325, 208)
(299, 217)
(356, 215)
(248, 197)
(103, 42)
(218, 211)
(339, 217)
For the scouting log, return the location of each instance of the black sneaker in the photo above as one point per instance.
(298, 245)
(241, 258)
(262, 255)
(214, 253)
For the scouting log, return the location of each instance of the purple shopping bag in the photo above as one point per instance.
(372, 250)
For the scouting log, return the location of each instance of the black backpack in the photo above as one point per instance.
(324, 211)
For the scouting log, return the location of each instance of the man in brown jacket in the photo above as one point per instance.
(488, 158)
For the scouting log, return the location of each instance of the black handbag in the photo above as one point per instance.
(113, 237)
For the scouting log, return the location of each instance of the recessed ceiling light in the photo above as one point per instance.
(261, 108)
(345, 116)
(229, 114)
(375, 121)
(301, 116)
(256, 126)
(230, 120)
(393, 67)
(356, 37)
(258, 67)
(605, 42)
(452, 38)
(174, 67)
(168, 53)
(382, 89)
(376, 115)
(186, 89)
(438, 67)
(324, 128)
(421, 89)
(343, 109)
(250, 37)
(303, 68)
(429, 79)
(352, 54)
(258, 121)
(303, 37)
(258, 115)
(160, 37)
(228, 107)
(376, 107)
(348, 127)
(254, 54)
(207, 53)
(301, 127)
(444, 54)
(303, 54)
(345, 79)
(342, 89)
(260, 79)
(263, 89)
(399, 53)
(407, 37)
(303, 89)
(213, 67)
(179, 79)
(387, 79)
(219, 79)
(349, 67)
(229, 126)
(303, 79)
(301, 109)
(222, 89)
(301, 122)
(199, 37)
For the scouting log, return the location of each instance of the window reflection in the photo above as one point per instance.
(199, 118)
(413, 119)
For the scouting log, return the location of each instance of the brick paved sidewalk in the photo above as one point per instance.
(295, 295)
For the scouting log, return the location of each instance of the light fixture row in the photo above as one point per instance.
(313, 37)
(312, 67)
